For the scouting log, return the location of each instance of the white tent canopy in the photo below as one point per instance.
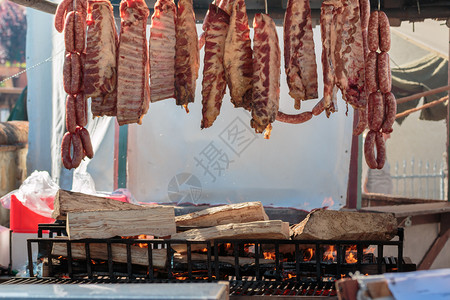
(170, 159)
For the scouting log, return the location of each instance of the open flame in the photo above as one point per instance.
(269, 255)
(329, 254)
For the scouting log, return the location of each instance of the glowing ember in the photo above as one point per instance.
(269, 255)
(309, 254)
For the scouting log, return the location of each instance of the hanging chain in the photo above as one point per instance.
(28, 69)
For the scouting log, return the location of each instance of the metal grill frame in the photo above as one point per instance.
(212, 254)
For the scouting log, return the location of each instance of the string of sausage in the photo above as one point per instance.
(73, 23)
(382, 105)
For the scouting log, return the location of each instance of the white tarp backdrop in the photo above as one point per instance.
(170, 159)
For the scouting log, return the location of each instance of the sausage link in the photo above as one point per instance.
(294, 119)
(390, 105)
(365, 45)
(71, 119)
(81, 109)
(65, 150)
(369, 150)
(372, 31)
(362, 121)
(384, 72)
(319, 107)
(78, 153)
(80, 32)
(364, 7)
(72, 73)
(385, 32)
(375, 111)
(69, 32)
(371, 73)
(81, 7)
(86, 141)
(381, 150)
(60, 14)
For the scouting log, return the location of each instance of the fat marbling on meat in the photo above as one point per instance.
(299, 56)
(162, 50)
(187, 56)
(215, 28)
(238, 57)
(266, 74)
(133, 67)
(100, 69)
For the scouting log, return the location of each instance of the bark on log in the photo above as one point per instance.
(343, 225)
(225, 214)
(139, 256)
(157, 221)
(275, 229)
(66, 201)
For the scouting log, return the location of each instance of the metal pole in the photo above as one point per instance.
(448, 118)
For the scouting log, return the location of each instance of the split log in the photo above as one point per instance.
(343, 225)
(156, 220)
(66, 201)
(275, 229)
(139, 256)
(224, 259)
(225, 214)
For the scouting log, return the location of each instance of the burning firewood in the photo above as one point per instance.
(225, 214)
(139, 256)
(275, 229)
(155, 220)
(343, 225)
(66, 201)
(182, 258)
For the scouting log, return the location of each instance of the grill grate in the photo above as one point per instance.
(288, 274)
(237, 288)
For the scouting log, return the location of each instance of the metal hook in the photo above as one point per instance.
(379, 4)
(418, 6)
(266, 7)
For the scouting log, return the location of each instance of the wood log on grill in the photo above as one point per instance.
(275, 229)
(343, 225)
(225, 214)
(157, 221)
(66, 201)
(182, 258)
(139, 256)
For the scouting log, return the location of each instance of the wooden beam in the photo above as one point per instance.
(413, 209)
(424, 94)
(427, 105)
(438, 244)
(139, 256)
(41, 5)
(66, 201)
(353, 175)
(434, 251)
(225, 214)
(157, 221)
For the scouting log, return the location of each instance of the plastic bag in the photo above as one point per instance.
(36, 193)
